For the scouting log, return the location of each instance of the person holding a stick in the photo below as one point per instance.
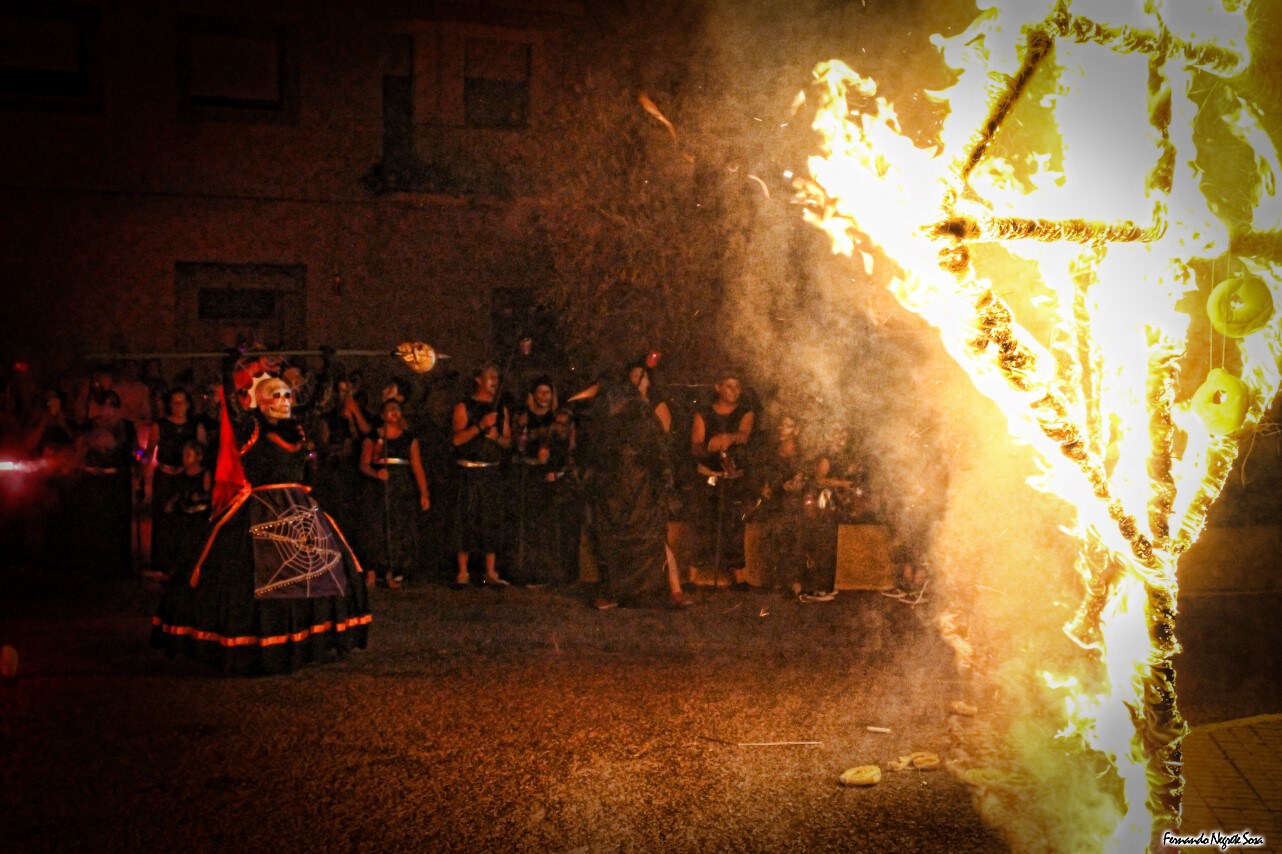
(719, 435)
(482, 433)
(541, 486)
(276, 585)
(341, 430)
(390, 456)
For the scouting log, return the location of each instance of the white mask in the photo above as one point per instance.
(275, 398)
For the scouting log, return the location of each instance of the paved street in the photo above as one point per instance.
(1234, 773)
(524, 720)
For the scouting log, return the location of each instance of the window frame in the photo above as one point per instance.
(88, 22)
(525, 85)
(213, 109)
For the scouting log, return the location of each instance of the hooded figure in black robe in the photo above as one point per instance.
(629, 487)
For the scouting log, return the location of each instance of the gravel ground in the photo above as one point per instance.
(486, 720)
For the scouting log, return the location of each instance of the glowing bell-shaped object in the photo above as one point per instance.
(1221, 402)
(1239, 306)
(420, 357)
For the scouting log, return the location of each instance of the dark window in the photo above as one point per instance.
(237, 70)
(224, 304)
(219, 305)
(496, 84)
(398, 121)
(50, 56)
(398, 100)
(400, 169)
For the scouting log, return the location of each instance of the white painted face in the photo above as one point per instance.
(275, 398)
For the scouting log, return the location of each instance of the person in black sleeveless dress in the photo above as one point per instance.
(783, 475)
(343, 427)
(546, 510)
(276, 585)
(482, 433)
(165, 446)
(187, 510)
(102, 501)
(53, 427)
(719, 435)
(396, 493)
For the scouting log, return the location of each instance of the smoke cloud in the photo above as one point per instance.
(826, 343)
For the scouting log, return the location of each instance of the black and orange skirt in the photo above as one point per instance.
(276, 587)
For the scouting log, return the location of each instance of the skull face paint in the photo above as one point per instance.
(275, 398)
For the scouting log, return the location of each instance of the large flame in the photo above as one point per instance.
(1071, 286)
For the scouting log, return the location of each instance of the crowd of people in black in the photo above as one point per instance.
(507, 483)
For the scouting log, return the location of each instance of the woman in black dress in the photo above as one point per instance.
(165, 445)
(276, 585)
(719, 435)
(640, 376)
(482, 434)
(338, 479)
(102, 500)
(545, 504)
(397, 493)
(630, 486)
(186, 512)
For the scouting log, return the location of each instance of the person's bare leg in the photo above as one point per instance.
(491, 570)
(676, 597)
(674, 572)
(461, 578)
(915, 576)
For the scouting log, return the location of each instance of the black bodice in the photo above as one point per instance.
(274, 453)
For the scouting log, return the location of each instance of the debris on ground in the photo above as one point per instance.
(924, 761)
(863, 775)
(920, 760)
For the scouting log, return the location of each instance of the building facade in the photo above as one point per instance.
(184, 177)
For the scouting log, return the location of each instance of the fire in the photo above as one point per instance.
(1069, 285)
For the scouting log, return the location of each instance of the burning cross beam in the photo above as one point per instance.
(1161, 46)
(866, 157)
(1161, 725)
(993, 316)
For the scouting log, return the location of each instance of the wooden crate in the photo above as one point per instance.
(863, 557)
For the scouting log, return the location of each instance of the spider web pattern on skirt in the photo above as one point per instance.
(303, 549)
